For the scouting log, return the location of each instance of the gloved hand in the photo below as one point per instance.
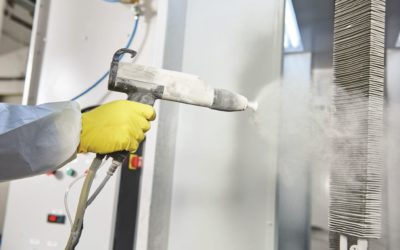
(115, 126)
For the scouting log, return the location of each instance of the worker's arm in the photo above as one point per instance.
(37, 139)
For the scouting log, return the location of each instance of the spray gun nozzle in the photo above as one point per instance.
(253, 105)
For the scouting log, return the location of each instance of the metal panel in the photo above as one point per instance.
(393, 156)
(31, 200)
(3, 199)
(225, 170)
(36, 53)
(2, 2)
(293, 205)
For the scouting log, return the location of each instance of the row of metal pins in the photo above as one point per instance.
(356, 173)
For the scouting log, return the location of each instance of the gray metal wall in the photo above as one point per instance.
(393, 142)
(294, 181)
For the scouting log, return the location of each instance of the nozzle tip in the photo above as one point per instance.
(252, 105)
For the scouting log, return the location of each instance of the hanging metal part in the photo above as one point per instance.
(362, 244)
(356, 176)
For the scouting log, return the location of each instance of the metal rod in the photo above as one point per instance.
(343, 242)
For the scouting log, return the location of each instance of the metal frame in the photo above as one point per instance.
(157, 179)
(293, 199)
(36, 51)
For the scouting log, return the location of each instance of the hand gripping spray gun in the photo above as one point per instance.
(147, 84)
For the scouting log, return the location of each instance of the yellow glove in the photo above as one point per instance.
(115, 126)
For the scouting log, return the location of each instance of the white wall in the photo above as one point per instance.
(225, 173)
(82, 37)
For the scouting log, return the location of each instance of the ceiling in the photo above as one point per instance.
(315, 18)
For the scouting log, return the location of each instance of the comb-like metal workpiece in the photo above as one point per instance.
(356, 176)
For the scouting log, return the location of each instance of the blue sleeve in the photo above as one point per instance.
(37, 139)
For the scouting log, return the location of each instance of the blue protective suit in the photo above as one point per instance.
(37, 139)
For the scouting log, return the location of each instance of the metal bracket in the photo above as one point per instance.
(362, 244)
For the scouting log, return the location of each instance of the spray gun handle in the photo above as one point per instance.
(134, 94)
(112, 79)
(114, 65)
(145, 98)
(120, 156)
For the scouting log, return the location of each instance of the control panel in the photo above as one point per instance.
(37, 217)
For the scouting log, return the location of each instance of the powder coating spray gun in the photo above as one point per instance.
(145, 85)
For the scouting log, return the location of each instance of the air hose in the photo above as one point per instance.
(76, 229)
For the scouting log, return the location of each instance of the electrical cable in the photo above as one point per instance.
(66, 197)
(66, 194)
(77, 227)
(87, 109)
(101, 79)
(111, 170)
(84, 202)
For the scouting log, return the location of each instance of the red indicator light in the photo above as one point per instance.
(52, 218)
(135, 162)
(51, 173)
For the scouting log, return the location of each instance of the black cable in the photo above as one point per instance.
(89, 108)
